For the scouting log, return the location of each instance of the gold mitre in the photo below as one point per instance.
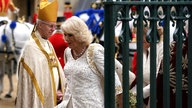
(48, 10)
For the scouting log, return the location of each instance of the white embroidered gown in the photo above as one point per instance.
(84, 85)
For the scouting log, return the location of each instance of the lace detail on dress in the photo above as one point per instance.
(84, 85)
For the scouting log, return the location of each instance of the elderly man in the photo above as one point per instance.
(40, 75)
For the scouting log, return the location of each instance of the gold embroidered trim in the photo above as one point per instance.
(90, 60)
(60, 80)
(118, 90)
(32, 76)
(50, 66)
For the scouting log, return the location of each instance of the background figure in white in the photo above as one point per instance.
(13, 36)
(11, 44)
(146, 63)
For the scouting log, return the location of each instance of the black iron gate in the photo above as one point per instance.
(175, 11)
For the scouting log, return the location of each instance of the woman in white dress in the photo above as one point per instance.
(85, 87)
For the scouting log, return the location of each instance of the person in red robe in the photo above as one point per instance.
(58, 41)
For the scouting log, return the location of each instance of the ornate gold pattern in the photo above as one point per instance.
(90, 60)
(35, 83)
(53, 60)
(53, 63)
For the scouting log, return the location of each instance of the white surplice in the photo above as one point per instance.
(38, 79)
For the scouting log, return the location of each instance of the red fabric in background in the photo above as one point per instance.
(34, 18)
(4, 4)
(134, 63)
(68, 14)
(59, 45)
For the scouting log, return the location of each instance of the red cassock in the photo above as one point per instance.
(59, 45)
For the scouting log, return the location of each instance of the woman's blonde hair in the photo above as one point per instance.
(76, 26)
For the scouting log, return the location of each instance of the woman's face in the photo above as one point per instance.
(71, 40)
(146, 45)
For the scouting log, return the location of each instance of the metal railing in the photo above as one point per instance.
(176, 11)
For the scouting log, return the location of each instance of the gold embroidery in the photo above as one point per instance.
(32, 76)
(53, 60)
(91, 62)
(118, 89)
(50, 66)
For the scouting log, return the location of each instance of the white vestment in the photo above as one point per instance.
(39, 75)
(146, 68)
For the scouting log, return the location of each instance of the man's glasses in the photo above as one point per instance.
(49, 25)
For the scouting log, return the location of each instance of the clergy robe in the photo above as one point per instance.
(39, 75)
